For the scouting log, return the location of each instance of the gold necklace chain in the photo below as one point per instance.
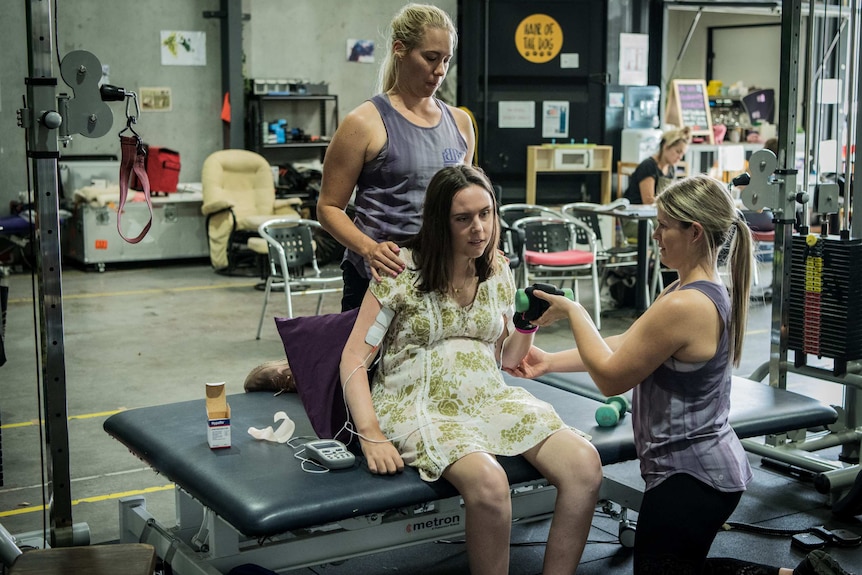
(469, 279)
(463, 285)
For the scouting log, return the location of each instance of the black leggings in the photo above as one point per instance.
(677, 524)
(355, 287)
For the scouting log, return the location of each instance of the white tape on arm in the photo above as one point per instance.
(378, 330)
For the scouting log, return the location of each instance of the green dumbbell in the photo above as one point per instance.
(614, 409)
(533, 307)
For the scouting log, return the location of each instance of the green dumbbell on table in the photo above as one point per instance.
(614, 409)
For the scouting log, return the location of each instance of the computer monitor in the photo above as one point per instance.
(760, 105)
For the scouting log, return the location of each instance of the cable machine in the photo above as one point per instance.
(817, 292)
(48, 119)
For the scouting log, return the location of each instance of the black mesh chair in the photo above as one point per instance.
(557, 249)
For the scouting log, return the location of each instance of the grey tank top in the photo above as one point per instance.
(391, 187)
(679, 415)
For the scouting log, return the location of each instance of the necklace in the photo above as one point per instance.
(457, 290)
(469, 279)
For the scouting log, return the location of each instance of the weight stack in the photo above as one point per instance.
(825, 305)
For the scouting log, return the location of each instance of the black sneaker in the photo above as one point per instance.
(819, 563)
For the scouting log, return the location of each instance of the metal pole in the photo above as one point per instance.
(852, 405)
(41, 120)
(232, 80)
(785, 204)
(854, 153)
(850, 109)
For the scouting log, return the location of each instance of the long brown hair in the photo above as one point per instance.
(432, 246)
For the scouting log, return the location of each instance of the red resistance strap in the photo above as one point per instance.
(133, 159)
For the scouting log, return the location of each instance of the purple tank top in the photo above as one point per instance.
(391, 187)
(679, 415)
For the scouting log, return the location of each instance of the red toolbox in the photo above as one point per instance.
(163, 170)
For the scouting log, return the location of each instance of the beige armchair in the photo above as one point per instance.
(238, 196)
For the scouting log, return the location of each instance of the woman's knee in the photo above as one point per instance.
(571, 459)
(481, 481)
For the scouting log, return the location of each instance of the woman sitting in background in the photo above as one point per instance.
(654, 173)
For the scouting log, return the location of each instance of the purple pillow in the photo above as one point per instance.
(313, 347)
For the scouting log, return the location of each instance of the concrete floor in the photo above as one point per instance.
(147, 335)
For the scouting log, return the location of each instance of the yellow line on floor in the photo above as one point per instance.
(142, 292)
(96, 414)
(70, 418)
(94, 499)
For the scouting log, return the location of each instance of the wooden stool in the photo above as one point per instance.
(121, 559)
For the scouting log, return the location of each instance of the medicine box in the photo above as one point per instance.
(218, 416)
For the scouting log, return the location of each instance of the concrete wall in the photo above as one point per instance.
(297, 39)
(123, 35)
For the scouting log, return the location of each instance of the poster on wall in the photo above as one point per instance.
(181, 48)
(634, 55)
(555, 119)
(361, 51)
(516, 114)
(539, 38)
(155, 99)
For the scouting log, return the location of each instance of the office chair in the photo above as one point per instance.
(293, 263)
(609, 255)
(238, 196)
(513, 239)
(624, 170)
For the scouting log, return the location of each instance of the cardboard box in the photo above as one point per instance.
(218, 416)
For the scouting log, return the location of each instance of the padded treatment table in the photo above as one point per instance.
(755, 408)
(252, 503)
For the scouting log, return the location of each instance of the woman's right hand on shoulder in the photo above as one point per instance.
(381, 456)
(383, 259)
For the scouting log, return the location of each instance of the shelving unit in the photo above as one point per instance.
(545, 159)
(315, 115)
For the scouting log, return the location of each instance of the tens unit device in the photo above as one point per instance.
(329, 453)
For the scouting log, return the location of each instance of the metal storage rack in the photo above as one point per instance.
(300, 112)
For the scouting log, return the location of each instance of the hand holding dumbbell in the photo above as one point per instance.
(614, 409)
(529, 307)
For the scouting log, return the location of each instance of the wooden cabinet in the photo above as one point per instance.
(572, 159)
(308, 122)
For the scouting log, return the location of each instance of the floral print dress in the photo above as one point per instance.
(438, 392)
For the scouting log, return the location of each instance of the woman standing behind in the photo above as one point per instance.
(389, 147)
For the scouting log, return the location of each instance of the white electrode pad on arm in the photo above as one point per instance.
(381, 324)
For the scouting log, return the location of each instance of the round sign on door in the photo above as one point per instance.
(539, 38)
